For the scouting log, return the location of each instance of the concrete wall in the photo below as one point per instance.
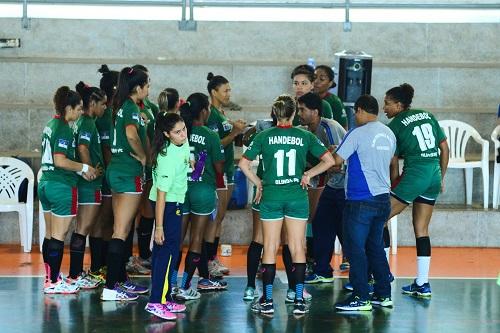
(454, 68)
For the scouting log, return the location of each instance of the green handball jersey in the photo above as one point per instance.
(284, 151)
(86, 133)
(122, 162)
(206, 150)
(105, 126)
(338, 111)
(57, 138)
(219, 123)
(418, 136)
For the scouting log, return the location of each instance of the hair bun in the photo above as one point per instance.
(80, 87)
(210, 76)
(408, 90)
(104, 69)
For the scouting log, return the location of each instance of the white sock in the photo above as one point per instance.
(423, 264)
(386, 249)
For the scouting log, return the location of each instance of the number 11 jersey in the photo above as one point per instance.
(284, 151)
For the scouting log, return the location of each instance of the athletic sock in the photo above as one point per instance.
(203, 263)
(129, 244)
(76, 254)
(45, 250)
(144, 232)
(96, 245)
(423, 260)
(55, 255)
(211, 250)
(299, 276)
(268, 273)
(190, 264)
(216, 246)
(104, 255)
(287, 261)
(115, 262)
(253, 256)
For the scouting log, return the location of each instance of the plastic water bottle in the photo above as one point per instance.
(311, 62)
(199, 166)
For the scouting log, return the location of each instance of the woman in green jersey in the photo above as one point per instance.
(125, 175)
(102, 230)
(421, 143)
(325, 80)
(89, 193)
(57, 187)
(282, 194)
(220, 92)
(207, 156)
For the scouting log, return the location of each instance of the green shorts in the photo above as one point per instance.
(422, 182)
(277, 210)
(58, 198)
(120, 183)
(89, 195)
(200, 200)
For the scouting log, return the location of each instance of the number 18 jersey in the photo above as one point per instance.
(418, 136)
(284, 151)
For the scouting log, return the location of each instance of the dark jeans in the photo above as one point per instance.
(364, 245)
(327, 224)
(164, 257)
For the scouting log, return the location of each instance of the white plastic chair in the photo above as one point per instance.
(12, 174)
(41, 218)
(496, 167)
(458, 134)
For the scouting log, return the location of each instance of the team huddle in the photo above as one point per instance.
(119, 163)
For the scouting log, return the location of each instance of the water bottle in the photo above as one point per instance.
(199, 166)
(311, 62)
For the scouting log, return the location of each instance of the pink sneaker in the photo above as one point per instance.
(160, 311)
(175, 307)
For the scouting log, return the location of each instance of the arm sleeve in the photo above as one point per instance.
(165, 173)
(132, 116)
(349, 145)
(254, 149)
(62, 142)
(84, 135)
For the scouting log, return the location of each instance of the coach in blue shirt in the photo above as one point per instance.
(368, 150)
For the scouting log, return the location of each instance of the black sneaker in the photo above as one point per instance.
(299, 307)
(354, 303)
(262, 305)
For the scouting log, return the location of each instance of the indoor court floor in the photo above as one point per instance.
(466, 298)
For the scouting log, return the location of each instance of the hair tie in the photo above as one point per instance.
(86, 86)
(188, 103)
(130, 71)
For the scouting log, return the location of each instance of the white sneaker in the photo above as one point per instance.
(223, 269)
(187, 294)
(213, 269)
(117, 294)
(290, 296)
(84, 281)
(60, 287)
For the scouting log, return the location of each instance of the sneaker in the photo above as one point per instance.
(354, 304)
(290, 296)
(117, 294)
(85, 281)
(385, 302)
(213, 269)
(348, 286)
(174, 307)
(315, 278)
(211, 284)
(187, 294)
(309, 268)
(223, 269)
(160, 311)
(175, 291)
(250, 294)
(299, 307)
(99, 275)
(133, 288)
(344, 266)
(264, 306)
(416, 290)
(60, 287)
(134, 267)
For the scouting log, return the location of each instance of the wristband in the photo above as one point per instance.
(85, 168)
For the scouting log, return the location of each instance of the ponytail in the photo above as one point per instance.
(191, 110)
